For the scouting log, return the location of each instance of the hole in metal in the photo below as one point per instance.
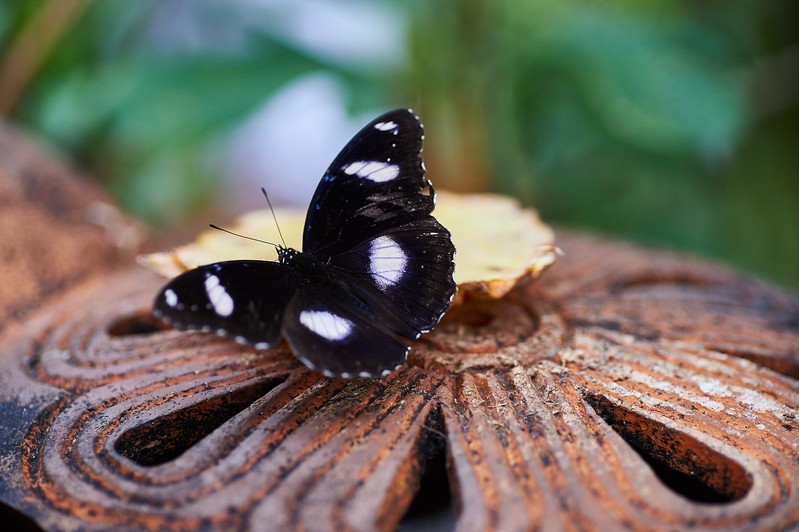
(432, 506)
(471, 316)
(136, 324)
(476, 318)
(165, 438)
(684, 464)
(13, 519)
(668, 279)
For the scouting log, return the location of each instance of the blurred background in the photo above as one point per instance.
(675, 124)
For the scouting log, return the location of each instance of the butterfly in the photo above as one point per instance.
(375, 270)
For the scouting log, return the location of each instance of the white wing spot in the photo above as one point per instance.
(307, 362)
(171, 298)
(385, 126)
(218, 296)
(386, 172)
(387, 261)
(326, 324)
(376, 171)
(354, 168)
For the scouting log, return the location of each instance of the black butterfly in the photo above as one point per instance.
(375, 265)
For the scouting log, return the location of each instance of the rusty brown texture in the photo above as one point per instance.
(626, 389)
(54, 224)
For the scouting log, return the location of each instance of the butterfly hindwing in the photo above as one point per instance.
(404, 275)
(243, 299)
(336, 339)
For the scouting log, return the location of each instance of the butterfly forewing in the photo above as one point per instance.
(370, 221)
(374, 184)
(243, 299)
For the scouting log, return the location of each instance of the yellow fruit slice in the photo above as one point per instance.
(498, 243)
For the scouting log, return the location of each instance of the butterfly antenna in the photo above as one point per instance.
(273, 216)
(242, 236)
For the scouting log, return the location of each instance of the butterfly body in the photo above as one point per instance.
(313, 274)
(303, 263)
(375, 266)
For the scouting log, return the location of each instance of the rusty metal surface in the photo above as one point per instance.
(627, 389)
(615, 394)
(57, 228)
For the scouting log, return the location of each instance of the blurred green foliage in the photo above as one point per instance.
(635, 120)
(675, 124)
(148, 119)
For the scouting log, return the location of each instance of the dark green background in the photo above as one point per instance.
(673, 123)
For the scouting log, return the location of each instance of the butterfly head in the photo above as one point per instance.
(286, 255)
(304, 263)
